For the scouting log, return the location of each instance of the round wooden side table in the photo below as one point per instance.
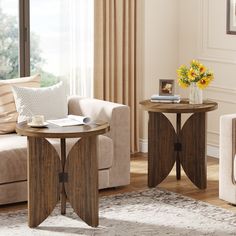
(186, 146)
(74, 177)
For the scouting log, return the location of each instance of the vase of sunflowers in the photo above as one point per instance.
(197, 77)
(195, 94)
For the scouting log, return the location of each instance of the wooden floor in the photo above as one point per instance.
(183, 186)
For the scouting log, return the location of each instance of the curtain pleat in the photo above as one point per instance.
(115, 56)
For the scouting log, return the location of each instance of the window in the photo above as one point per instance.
(60, 39)
(9, 39)
(62, 43)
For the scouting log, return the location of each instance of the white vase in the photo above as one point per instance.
(195, 94)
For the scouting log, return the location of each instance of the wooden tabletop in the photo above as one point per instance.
(182, 107)
(54, 131)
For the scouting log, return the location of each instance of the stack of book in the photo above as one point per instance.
(167, 99)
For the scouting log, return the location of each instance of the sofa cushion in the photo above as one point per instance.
(8, 114)
(13, 158)
(13, 192)
(13, 155)
(49, 101)
(105, 150)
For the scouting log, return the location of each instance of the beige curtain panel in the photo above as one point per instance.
(115, 56)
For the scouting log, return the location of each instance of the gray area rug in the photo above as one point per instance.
(149, 212)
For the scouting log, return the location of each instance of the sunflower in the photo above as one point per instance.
(192, 74)
(203, 82)
(196, 73)
(202, 69)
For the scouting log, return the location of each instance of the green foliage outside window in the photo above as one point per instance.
(9, 52)
(9, 39)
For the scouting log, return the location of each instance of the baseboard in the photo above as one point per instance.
(212, 151)
(143, 145)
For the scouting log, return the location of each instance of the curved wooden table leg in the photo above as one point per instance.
(82, 186)
(161, 153)
(43, 182)
(193, 156)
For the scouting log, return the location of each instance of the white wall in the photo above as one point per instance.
(176, 32)
(159, 51)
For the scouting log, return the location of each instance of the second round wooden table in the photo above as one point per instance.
(186, 146)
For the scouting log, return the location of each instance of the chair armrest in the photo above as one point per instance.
(226, 131)
(228, 146)
(94, 108)
(234, 151)
(117, 115)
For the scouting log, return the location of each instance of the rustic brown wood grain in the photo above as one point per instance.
(78, 175)
(188, 143)
(82, 185)
(43, 183)
(182, 107)
(54, 131)
(193, 154)
(161, 154)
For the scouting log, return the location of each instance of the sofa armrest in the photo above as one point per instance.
(118, 116)
(227, 156)
(227, 132)
(234, 151)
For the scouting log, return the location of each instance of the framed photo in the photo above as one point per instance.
(166, 87)
(231, 17)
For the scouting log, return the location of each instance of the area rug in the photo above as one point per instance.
(149, 212)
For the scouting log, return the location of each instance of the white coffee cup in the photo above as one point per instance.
(38, 120)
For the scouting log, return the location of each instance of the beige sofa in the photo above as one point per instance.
(113, 150)
(227, 165)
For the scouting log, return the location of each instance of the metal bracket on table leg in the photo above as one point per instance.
(63, 177)
(178, 147)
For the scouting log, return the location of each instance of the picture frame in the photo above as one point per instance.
(231, 17)
(166, 87)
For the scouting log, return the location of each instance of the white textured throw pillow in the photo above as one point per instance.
(49, 101)
(8, 114)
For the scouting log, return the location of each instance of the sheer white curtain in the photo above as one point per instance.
(77, 46)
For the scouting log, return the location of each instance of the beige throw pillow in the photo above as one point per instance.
(8, 113)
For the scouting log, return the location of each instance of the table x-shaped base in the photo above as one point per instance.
(185, 146)
(51, 178)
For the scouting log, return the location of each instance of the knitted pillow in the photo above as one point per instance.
(49, 101)
(8, 113)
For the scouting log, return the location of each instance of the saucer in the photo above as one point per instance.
(33, 125)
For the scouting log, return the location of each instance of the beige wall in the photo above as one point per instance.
(208, 42)
(176, 32)
(159, 48)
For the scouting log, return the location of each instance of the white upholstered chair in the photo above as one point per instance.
(227, 167)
